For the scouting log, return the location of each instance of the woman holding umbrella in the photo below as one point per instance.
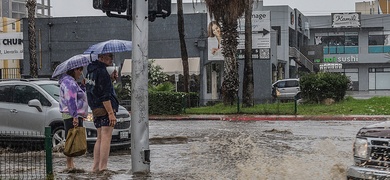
(73, 100)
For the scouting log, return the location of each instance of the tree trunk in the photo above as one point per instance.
(183, 47)
(247, 88)
(229, 43)
(31, 4)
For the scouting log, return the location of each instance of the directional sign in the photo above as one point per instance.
(264, 32)
(261, 26)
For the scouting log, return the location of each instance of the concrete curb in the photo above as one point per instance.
(270, 118)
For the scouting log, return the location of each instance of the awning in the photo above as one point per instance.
(170, 66)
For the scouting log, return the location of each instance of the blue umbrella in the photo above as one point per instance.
(76, 61)
(110, 46)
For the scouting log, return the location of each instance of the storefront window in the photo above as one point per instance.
(378, 78)
(379, 42)
(351, 43)
(338, 42)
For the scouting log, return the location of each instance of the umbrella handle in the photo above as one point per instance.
(90, 56)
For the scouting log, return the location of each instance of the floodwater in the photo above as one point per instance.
(256, 150)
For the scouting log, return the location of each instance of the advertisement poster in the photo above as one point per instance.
(214, 40)
(261, 37)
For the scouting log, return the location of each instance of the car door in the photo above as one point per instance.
(291, 88)
(5, 106)
(25, 118)
(281, 85)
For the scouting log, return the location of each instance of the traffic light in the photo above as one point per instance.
(156, 8)
(163, 8)
(110, 5)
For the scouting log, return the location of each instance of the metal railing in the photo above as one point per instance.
(301, 59)
(9, 73)
(25, 155)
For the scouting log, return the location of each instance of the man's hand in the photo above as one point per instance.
(114, 75)
(112, 119)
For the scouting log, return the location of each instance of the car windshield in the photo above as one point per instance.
(52, 89)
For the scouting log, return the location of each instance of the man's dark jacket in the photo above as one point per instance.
(99, 86)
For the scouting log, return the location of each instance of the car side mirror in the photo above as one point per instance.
(35, 103)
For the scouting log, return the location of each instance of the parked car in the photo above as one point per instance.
(287, 88)
(371, 153)
(30, 105)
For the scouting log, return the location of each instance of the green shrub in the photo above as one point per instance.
(320, 86)
(164, 102)
(165, 86)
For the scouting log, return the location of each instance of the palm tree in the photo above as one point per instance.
(247, 87)
(184, 54)
(31, 4)
(227, 13)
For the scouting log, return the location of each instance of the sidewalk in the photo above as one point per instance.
(245, 117)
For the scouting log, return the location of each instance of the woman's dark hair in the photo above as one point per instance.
(72, 73)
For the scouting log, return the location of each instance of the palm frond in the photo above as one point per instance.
(229, 10)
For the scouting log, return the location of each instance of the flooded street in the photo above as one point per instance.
(264, 150)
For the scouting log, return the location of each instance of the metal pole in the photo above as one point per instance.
(49, 157)
(295, 106)
(140, 153)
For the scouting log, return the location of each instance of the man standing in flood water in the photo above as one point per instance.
(104, 104)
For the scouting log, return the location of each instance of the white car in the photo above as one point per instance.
(30, 105)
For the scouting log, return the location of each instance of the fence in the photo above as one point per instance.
(9, 73)
(25, 155)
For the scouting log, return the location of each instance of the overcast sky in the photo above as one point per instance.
(66, 8)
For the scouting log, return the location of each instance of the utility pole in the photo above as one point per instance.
(140, 153)
(140, 12)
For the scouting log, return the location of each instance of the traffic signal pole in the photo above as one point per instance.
(140, 12)
(140, 153)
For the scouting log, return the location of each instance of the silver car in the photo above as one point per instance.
(30, 105)
(288, 88)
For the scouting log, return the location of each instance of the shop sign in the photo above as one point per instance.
(346, 20)
(326, 66)
(340, 59)
(11, 45)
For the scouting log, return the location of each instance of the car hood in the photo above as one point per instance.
(381, 130)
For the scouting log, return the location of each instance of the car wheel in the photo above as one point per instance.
(58, 136)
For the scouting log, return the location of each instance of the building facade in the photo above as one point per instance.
(359, 43)
(11, 48)
(11, 36)
(277, 53)
(279, 56)
(17, 8)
